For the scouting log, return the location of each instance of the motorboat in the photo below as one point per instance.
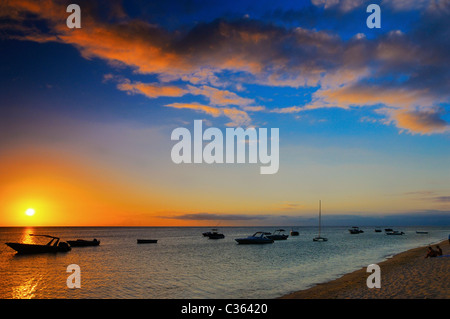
(53, 246)
(294, 233)
(214, 234)
(147, 241)
(256, 238)
(355, 230)
(388, 229)
(395, 232)
(421, 232)
(377, 230)
(278, 235)
(83, 242)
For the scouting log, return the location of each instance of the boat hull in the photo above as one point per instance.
(37, 249)
(254, 241)
(83, 243)
(278, 237)
(395, 233)
(216, 236)
(147, 241)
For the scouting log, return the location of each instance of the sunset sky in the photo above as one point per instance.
(86, 114)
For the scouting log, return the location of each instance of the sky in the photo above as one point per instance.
(86, 114)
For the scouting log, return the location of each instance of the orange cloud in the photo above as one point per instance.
(423, 122)
(151, 90)
(238, 117)
(219, 97)
(357, 72)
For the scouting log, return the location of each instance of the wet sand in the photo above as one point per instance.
(407, 275)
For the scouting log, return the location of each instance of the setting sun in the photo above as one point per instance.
(30, 212)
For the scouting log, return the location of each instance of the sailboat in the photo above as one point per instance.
(319, 238)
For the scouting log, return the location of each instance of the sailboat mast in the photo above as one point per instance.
(320, 212)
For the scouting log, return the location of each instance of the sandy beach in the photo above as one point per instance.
(407, 275)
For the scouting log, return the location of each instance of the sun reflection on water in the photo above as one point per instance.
(27, 289)
(26, 238)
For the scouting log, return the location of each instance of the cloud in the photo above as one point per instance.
(442, 199)
(404, 76)
(220, 97)
(421, 122)
(429, 195)
(342, 5)
(396, 5)
(420, 218)
(237, 117)
(151, 90)
(287, 110)
(210, 216)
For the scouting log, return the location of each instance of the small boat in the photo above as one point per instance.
(388, 229)
(377, 230)
(294, 232)
(53, 246)
(278, 235)
(214, 234)
(256, 238)
(319, 238)
(355, 230)
(395, 232)
(147, 241)
(83, 243)
(421, 232)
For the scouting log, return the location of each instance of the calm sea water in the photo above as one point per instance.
(184, 264)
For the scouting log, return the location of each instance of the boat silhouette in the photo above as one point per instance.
(53, 246)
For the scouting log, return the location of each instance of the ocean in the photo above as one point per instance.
(185, 265)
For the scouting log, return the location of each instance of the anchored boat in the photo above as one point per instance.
(147, 241)
(320, 238)
(278, 235)
(214, 234)
(53, 246)
(83, 243)
(256, 238)
(355, 230)
(294, 232)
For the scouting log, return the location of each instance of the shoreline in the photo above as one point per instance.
(407, 275)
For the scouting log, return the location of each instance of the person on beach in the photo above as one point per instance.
(431, 253)
(439, 250)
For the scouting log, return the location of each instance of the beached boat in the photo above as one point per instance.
(320, 238)
(83, 243)
(214, 234)
(395, 232)
(355, 230)
(278, 235)
(147, 241)
(294, 233)
(53, 246)
(256, 238)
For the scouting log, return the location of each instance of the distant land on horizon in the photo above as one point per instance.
(431, 218)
